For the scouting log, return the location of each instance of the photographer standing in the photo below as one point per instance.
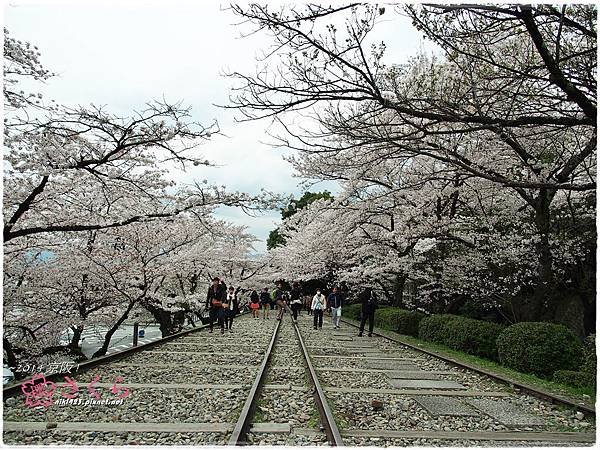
(368, 298)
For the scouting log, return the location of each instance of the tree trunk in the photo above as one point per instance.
(109, 334)
(11, 360)
(178, 321)
(437, 303)
(165, 320)
(398, 289)
(77, 331)
(73, 347)
(538, 306)
(570, 312)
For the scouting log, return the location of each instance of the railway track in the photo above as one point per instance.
(194, 388)
(388, 394)
(553, 398)
(275, 383)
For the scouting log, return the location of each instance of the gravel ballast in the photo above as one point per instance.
(401, 412)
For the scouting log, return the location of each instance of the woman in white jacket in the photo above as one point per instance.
(319, 304)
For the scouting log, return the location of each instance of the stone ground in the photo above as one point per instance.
(192, 390)
(228, 362)
(294, 406)
(421, 393)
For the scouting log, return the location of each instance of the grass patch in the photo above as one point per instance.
(315, 420)
(259, 416)
(235, 413)
(341, 421)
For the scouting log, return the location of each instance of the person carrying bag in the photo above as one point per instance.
(215, 297)
(229, 308)
(319, 304)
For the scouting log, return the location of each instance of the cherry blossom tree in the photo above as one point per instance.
(97, 278)
(21, 61)
(457, 240)
(510, 102)
(94, 226)
(77, 169)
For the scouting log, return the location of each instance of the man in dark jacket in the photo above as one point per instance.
(295, 300)
(334, 303)
(368, 299)
(217, 293)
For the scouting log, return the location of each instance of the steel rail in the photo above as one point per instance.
(553, 398)
(327, 419)
(12, 389)
(242, 426)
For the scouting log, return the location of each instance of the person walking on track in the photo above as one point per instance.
(283, 303)
(230, 308)
(281, 299)
(368, 299)
(319, 304)
(334, 302)
(265, 302)
(255, 304)
(296, 301)
(214, 303)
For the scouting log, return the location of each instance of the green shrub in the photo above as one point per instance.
(576, 379)
(399, 320)
(476, 337)
(540, 348)
(383, 317)
(433, 328)
(589, 354)
(352, 311)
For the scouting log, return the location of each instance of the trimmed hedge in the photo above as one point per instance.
(433, 328)
(399, 320)
(576, 379)
(476, 337)
(540, 348)
(394, 319)
(589, 355)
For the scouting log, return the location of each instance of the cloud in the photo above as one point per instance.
(242, 161)
(123, 54)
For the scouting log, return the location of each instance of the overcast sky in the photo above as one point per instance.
(123, 54)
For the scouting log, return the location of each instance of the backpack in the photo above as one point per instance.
(373, 299)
